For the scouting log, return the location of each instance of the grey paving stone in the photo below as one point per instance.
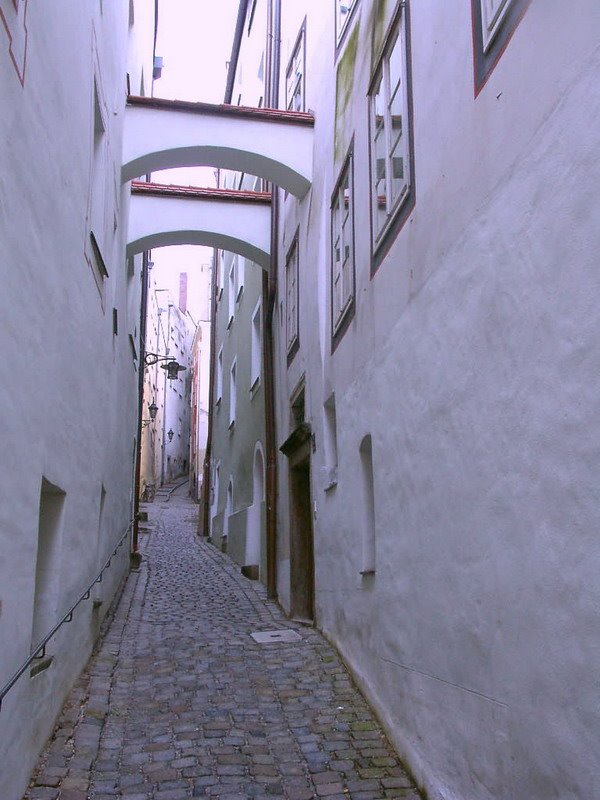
(178, 701)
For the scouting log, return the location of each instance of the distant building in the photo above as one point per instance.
(170, 332)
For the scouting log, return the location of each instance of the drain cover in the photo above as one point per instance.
(268, 637)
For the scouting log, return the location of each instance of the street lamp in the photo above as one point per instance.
(170, 434)
(172, 367)
(153, 408)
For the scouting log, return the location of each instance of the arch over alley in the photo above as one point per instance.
(271, 144)
(160, 216)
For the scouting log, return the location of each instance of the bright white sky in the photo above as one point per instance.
(194, 40)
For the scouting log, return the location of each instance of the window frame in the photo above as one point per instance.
(292, 341)
(341, 320)
(402, 206)
(219, 381)
(342, 30)
(487, 53)
(300, 44)
(256, 347)
(232, 393)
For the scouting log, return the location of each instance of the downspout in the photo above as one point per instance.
(164, 414)
(269, 297)
(203, 517)
(142, 367)
(141, 375)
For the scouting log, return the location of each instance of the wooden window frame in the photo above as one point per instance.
(300, 45)
(487, 53)
(340, 319)
(292, 339)
(399, 208)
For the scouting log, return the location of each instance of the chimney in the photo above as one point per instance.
(183, 292)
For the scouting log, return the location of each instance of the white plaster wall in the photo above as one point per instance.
(68, 400)
(472, 362)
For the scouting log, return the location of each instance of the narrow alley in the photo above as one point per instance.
(180, 701)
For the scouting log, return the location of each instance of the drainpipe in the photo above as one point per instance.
(164, 415)
(203, 517)
(141, 375)
(269, 297)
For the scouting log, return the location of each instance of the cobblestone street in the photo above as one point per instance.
(180, 701)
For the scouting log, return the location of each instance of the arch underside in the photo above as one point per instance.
(200, 237)
(247, 161)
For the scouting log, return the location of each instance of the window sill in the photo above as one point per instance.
(254, 386)
(232, 425)
(230, 323)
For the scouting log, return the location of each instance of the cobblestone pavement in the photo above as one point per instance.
(179, 701)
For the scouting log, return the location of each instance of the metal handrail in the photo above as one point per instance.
(40, 650)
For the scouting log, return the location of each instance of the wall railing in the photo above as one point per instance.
(40, 649)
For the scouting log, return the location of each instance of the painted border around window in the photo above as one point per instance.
(294, 345)
(405, 208)
(342, 34)
(348, 315)
(484, 63)
(300, 42)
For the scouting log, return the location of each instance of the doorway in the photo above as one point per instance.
(302, 564)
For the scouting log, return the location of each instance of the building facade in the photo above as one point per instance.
(237, 495)
(70, 311)
(436, 377)
(170, 331)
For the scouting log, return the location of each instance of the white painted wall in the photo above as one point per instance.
(472, 363)
(68, 401)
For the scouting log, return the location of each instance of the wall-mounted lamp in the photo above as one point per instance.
(153, 408)
(170, 434)
(173, 367)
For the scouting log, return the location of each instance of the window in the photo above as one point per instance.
(493, 13)
(330, 442)
(368, 504)
(231, 292)
(240, 264)
(220, 273)
(343, 12)
(291, 300)
(295, 74)
(219, 375)
(232, 394)
(256, 353)
(98, 224)
(48, 561)
(494, 22)
(392, 187)
(342, 246)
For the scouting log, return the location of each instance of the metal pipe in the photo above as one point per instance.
(40, 648)
(269, 295)
(235, 49)
(203, 517)
(141, 375)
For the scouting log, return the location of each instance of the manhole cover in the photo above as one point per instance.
(268, 637)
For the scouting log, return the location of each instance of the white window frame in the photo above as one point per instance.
(256, 352)
(232, 392)
(343, 13)
(219, 386)
(220, 273)
(493, 13)
(291, 297)
(231, 293)
(239, 276)
(295, 74)
(342, 244)
(396, 148)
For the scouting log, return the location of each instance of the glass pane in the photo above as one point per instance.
(399, 180)
(396, 66)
